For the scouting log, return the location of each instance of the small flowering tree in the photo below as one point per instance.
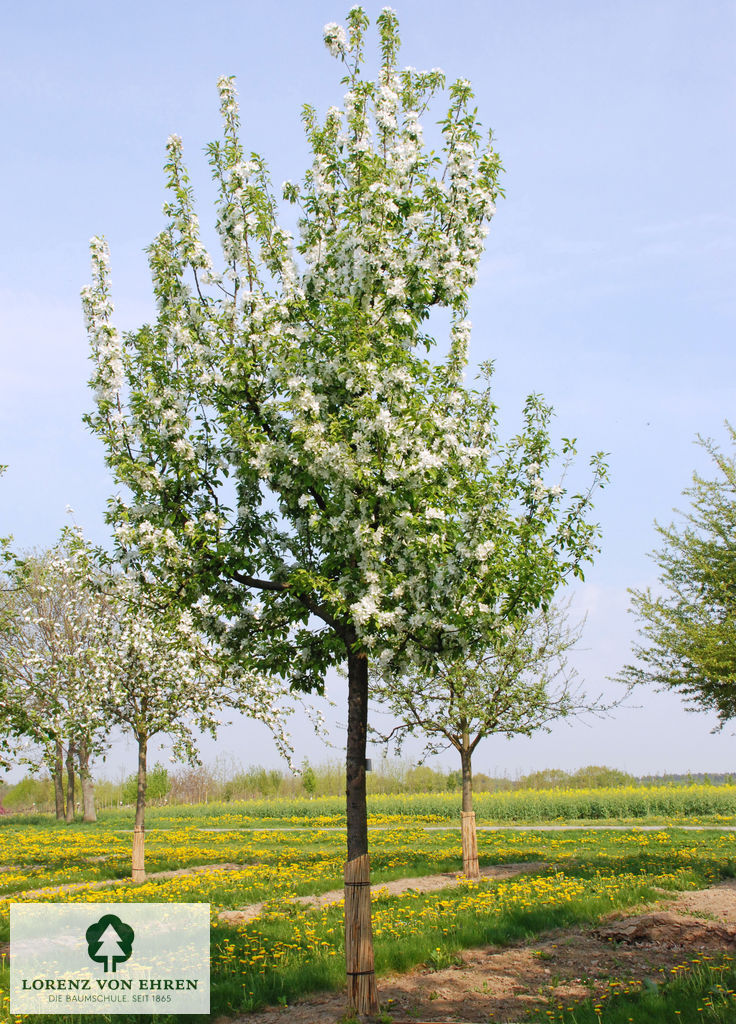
(157, 674)
(48, 664)
(89, 651)
(289, 450)
(7, 627)
(515, 685)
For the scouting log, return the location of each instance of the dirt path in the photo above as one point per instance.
(111, 883)
(427, 883)
(505, 985)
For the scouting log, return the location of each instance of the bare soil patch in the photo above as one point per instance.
(505, 985)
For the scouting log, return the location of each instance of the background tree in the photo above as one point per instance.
(308, 778)
(7, 626)
(47, 660)
(285, 442)
(689, 630)
(158, 785)
(515, 686)
(157, 674)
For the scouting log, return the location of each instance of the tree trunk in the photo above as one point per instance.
(88, 787)
(359, 963)
(70, 783)
(139, 861)
(57, 776)
(470, 840)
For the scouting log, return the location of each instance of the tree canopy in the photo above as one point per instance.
(287, 446)
(516, 685)
(688, 629)
(297, 469)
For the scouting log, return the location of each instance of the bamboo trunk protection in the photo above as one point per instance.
(139, 869)
(359, 963)
(471, 868)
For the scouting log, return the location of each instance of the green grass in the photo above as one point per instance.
(291, 951)
(704, 990)
(445, 922)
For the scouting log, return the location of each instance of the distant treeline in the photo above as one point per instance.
(226, 782)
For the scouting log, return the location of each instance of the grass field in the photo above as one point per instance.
(291, 950)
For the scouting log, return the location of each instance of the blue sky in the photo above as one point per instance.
(607, 284)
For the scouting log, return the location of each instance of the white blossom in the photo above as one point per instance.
(335, 39)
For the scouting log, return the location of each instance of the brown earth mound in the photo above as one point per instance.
(667, 929)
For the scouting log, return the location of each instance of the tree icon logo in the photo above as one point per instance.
(109, 941)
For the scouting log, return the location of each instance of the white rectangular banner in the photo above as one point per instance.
(110, 958)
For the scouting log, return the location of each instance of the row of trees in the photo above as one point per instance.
(57, 658)
(86, 649)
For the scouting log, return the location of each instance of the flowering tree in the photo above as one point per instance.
(289, 450)
(90, 650)
(7, 627)
(515, 685)
(157, 674)
(48, 663)
(4, 541)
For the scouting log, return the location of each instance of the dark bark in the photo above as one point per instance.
(466, 758)
(357, 809)
(140, 802)
(138, 862)
(58, 777)
(89, 811)
(361, 978)
(469, 835)
(70, 782)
